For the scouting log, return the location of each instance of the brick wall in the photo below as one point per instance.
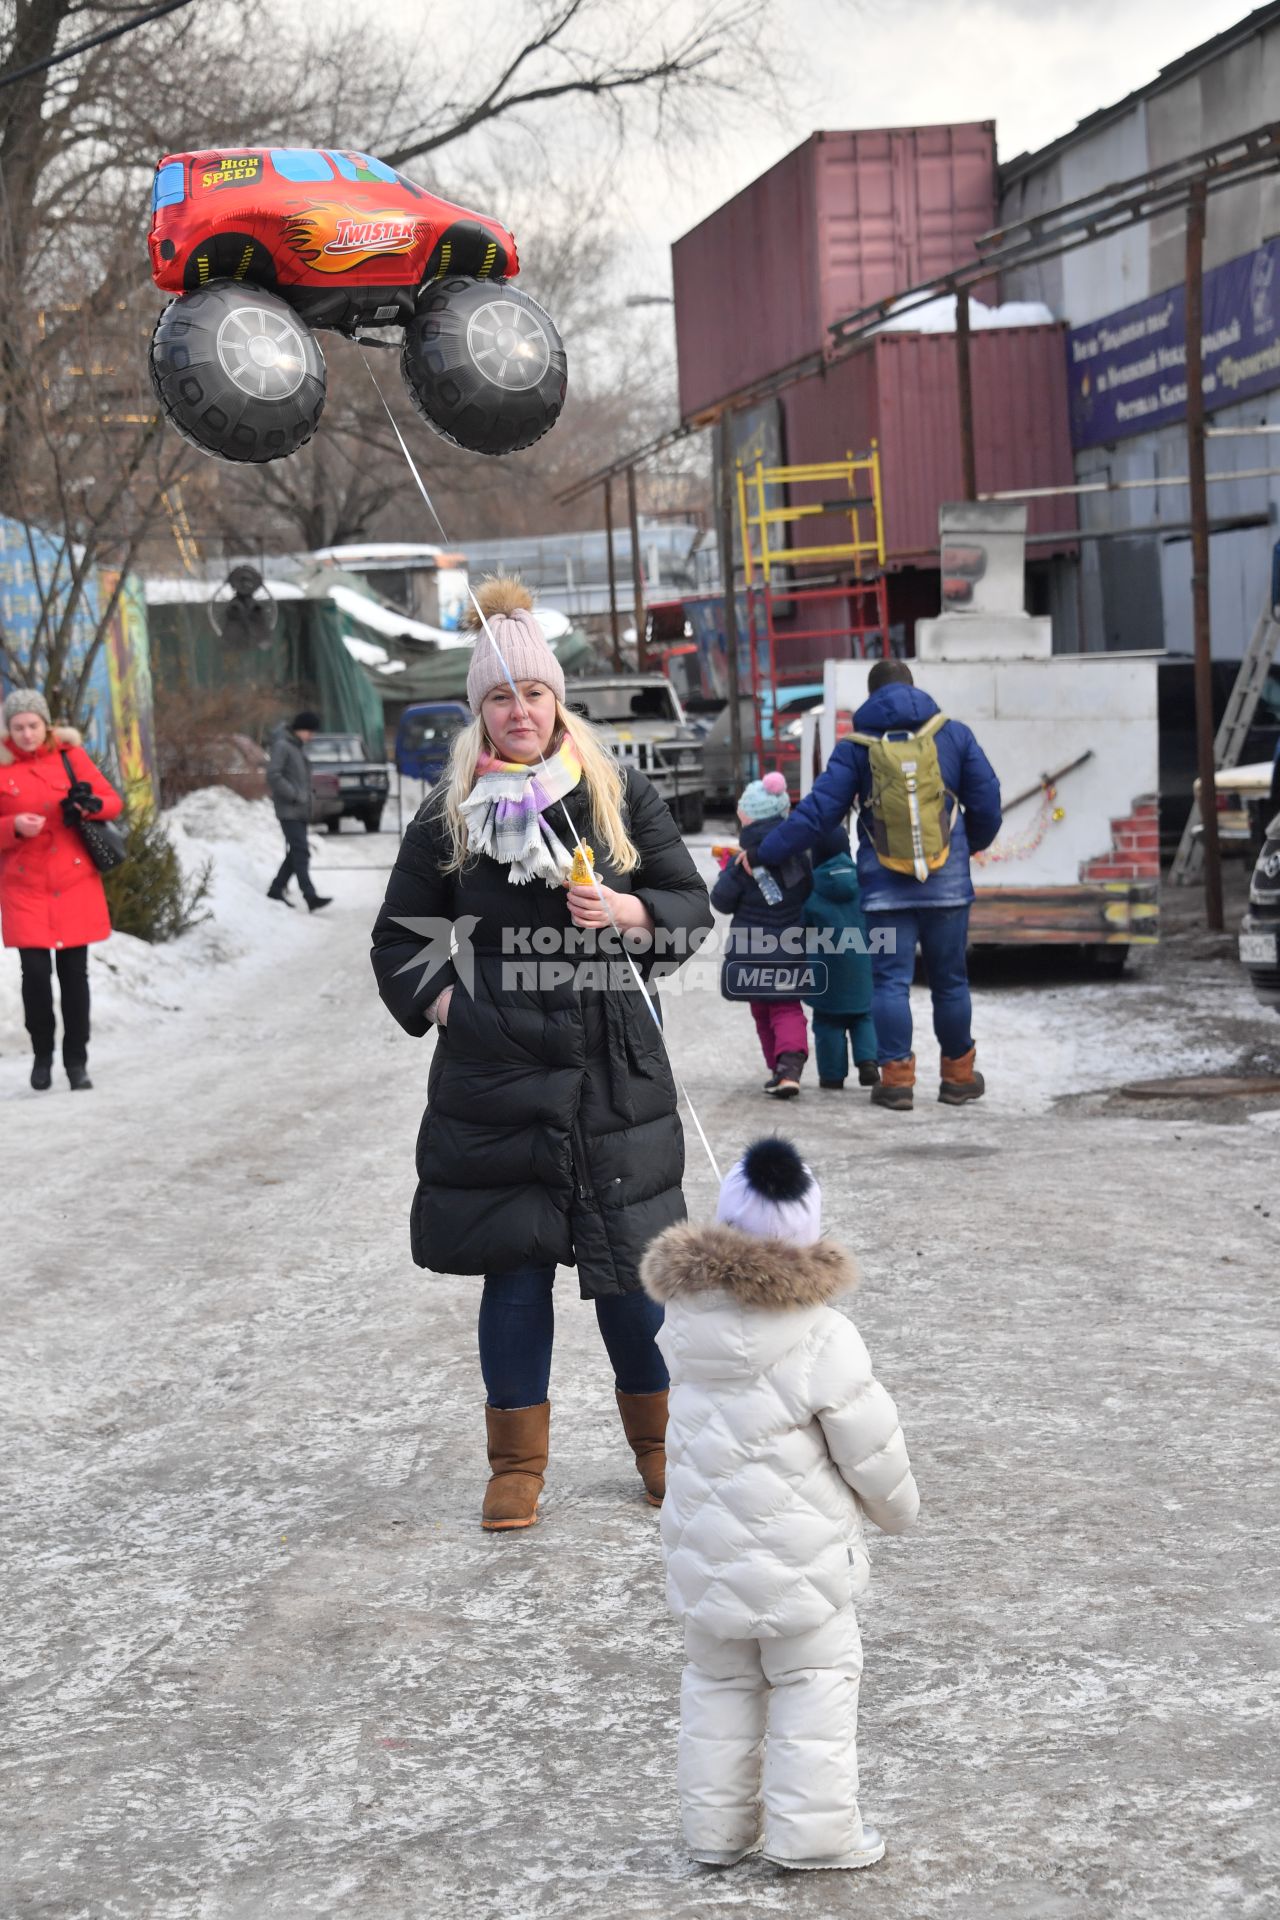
(1135, 847)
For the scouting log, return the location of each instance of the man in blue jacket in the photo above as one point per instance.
(903, 912)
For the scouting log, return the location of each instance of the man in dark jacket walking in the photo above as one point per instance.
(289, 781)
(903, 912)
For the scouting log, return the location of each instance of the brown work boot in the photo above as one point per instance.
(897, 1083)
(644, 1421)
(961, 1080)
(517, 1461)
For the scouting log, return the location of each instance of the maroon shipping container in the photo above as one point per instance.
(900, 389)
(844, 220)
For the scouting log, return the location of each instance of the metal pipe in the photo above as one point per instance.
(964, 384)
(1131, 486)
(724, 534)
(615, 631)
(637, 573)
(1200, 557)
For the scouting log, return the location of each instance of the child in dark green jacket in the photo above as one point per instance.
(842, 1009)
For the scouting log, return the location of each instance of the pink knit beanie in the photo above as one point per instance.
(521, 643)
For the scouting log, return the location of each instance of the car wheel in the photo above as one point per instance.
(237, 372)
(372, 820)
(334, 825)
(484, 365)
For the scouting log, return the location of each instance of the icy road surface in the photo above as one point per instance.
(258, 1658)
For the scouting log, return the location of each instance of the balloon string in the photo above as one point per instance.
(544, 766)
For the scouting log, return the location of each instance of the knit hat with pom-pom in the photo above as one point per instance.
(521, 643)
(765, 799)
(770, 1192)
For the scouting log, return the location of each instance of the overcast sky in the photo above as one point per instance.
(1035, 67)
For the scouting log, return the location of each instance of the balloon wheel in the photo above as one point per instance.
(484, 365)
(237, 372)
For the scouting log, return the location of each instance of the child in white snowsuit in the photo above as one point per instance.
(779, 1440)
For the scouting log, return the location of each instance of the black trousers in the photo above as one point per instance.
(37, 1001)
(297, 859)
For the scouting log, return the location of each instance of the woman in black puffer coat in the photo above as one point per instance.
(551, 1136)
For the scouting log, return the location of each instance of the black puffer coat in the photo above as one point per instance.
(551, 1132)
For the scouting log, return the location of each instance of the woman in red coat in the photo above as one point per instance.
(52, 905)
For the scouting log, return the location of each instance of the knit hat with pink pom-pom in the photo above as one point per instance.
(765, 799)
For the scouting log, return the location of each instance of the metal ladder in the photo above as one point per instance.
(1229, 740)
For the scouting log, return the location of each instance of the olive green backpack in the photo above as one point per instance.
(911, 811)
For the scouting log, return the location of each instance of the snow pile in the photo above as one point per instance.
(370, 655)
(381, 619)
(939, 316)
(132, 981)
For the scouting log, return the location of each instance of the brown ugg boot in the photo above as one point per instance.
(897, 1083)
(644, 1421)
(961, 1080)
(517, 1461)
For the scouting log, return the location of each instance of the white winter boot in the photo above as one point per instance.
(866, 1855)
(707, 1857)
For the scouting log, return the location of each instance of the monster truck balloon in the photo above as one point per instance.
(260, 246)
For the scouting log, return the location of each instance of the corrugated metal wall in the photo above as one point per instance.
(1136, 592)
(845, 219)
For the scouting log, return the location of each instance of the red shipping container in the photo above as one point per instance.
(901, 390)
(844, 220)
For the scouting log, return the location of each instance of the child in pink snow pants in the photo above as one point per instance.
(764, 959)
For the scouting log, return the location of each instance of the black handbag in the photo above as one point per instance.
(103, 840)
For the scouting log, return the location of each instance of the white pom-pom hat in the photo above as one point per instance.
(770, 1192)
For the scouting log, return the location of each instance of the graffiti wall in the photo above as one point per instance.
(117, 719)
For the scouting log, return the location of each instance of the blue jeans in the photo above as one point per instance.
(942, 934)
(517, 1327)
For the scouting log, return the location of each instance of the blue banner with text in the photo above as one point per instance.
(1127, 373)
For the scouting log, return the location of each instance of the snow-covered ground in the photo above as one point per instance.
(260, 1663)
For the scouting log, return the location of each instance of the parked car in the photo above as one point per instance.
(261, 245)
(345, 781)
(645, 726)
(717, 753)
(425, 737)
(1260, 928)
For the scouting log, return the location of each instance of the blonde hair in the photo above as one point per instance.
(601, 776)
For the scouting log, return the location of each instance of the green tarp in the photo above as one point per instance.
(305, 660)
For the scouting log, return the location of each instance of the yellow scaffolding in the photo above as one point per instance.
(864, 549)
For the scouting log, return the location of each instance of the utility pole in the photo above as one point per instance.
(614, 631)
(724, 536)
(964, 385)
(637, 573)
(1200, 558)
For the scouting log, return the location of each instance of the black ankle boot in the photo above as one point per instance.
(79, 1078)
(42, 1072)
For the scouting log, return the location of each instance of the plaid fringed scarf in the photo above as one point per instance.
(505, 815)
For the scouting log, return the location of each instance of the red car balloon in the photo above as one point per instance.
(262, 245)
